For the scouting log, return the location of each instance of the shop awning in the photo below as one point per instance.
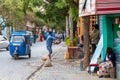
(93, 7)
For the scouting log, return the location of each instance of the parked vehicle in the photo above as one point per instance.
(4, 42)
(20, 44)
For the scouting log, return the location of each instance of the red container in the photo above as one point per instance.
(73, 52)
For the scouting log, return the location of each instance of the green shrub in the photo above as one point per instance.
(67, 41)
(75, 41)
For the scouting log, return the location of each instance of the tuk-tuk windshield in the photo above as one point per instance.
(17, 39)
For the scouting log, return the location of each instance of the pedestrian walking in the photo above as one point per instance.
(34, 36)
(63, 38)
(41, 37)
(49, 42)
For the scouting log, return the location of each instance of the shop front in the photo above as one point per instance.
(111, 37)
(109, 22)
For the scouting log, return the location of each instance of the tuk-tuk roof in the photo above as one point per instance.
(20, 33)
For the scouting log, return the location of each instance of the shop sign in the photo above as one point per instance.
(86, 7)
(98, 7)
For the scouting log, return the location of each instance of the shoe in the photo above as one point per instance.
(107, 76)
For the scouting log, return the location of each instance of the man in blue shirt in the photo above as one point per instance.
(49, 42)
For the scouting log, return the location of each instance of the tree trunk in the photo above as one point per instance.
(86, 23)
(71, 30)
(74, 28)
(67, 26)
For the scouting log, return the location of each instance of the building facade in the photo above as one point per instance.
(108, 12)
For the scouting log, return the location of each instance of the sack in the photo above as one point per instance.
(48, 63)
(44, 58)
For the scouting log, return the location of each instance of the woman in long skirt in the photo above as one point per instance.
(104, 68)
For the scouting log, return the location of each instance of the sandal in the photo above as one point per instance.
(100, 76)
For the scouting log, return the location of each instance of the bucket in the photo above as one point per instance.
(118, 71)
(66, 55)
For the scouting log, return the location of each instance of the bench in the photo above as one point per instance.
(91, 65)
(112, 72)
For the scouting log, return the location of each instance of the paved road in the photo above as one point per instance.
(21, 69)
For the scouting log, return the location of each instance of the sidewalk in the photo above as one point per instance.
(64, 69)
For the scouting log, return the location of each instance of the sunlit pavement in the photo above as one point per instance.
(64, 69)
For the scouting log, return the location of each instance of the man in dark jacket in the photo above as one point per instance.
(94, 37)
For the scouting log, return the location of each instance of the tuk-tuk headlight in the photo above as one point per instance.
(16, 44)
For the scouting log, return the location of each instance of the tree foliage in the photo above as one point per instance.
(71, 6)
(51, 13)
(11, 11)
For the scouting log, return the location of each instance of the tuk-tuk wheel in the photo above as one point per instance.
(29, 55)
(7, 48)
(15, 56)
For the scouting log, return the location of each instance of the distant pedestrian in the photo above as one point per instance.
(34, 35)
(63, 37)
(53, 33)
(46, 34)
(49, 42)
(41, 37)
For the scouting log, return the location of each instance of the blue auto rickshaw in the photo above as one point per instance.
(20, 44)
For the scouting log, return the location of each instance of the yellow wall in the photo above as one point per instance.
(93, 20)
